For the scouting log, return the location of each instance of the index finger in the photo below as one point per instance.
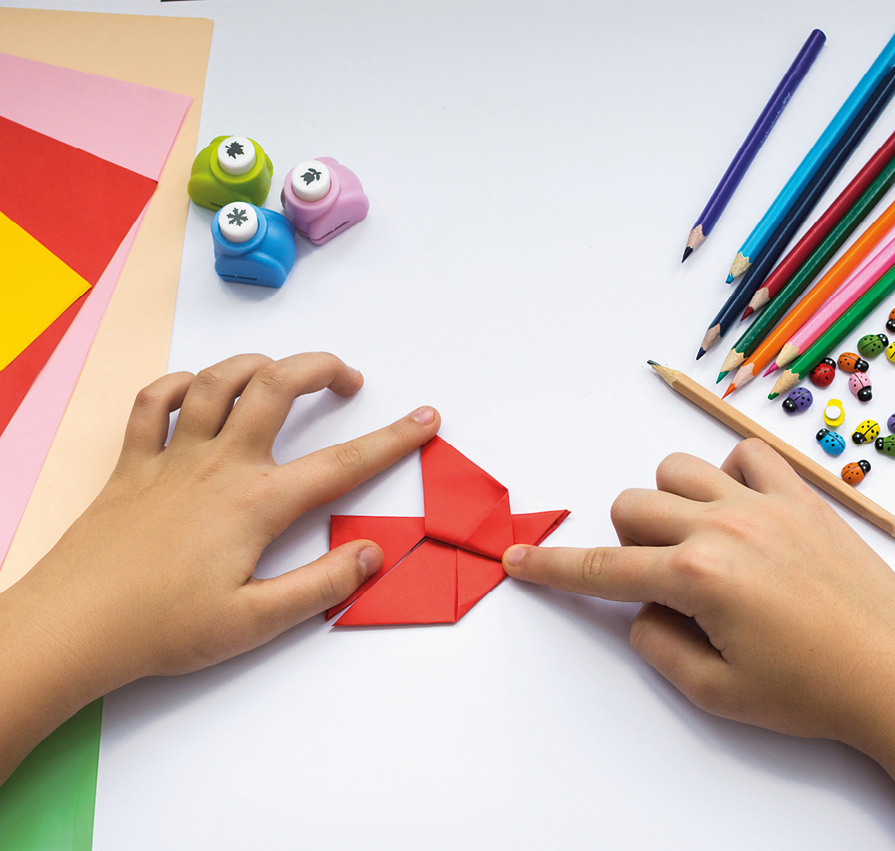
(624, 574)
(329, 473)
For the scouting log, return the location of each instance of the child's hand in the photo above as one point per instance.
(793, 615)
(156, 577)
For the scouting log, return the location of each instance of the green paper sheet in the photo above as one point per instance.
(48, 802)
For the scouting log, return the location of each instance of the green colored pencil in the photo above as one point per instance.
(806, 273)
(834, 335)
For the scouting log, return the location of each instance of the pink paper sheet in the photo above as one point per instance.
(131, 125)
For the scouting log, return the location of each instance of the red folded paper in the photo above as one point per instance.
(438, 567)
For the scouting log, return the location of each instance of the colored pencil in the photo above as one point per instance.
(858, 283)
(786, 297)
(753, 142)
(806, 467)
(827, 285)
(846, 200)
(799, 211)
(809, 165)
(835, 334)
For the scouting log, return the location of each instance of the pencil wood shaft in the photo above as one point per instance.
(809, 469)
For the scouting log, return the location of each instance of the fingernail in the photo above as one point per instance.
(424, 415)
(514, 555)
(370, 560)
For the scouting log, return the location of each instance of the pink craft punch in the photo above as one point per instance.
(323, 198)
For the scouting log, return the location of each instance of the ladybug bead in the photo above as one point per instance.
(859, 384)
(872, 344)
(799, 399)
(830, 442)
(886, 445)
(890, 325)
(890, 353)
(834, 414)
(854, 473)
(866, 432)
(890, 423)
(850, 362)
(823, 374)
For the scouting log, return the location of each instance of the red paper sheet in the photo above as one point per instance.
(438, 567)
(75, 204)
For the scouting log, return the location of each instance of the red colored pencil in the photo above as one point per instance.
(803, 249)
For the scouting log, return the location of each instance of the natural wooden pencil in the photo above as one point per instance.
(806, 467)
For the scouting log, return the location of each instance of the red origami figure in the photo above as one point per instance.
(438, 567)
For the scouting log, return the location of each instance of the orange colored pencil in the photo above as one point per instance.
(815, 297)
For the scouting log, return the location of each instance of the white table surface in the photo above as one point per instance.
(533, 170)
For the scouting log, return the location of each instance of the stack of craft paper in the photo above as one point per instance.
(82, 155)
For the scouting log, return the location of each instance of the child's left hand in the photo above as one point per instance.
(156, 577)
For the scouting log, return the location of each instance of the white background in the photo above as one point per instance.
(533, 170)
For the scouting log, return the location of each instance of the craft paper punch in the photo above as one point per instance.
(252, 245)
(231, 168)
(322, 199)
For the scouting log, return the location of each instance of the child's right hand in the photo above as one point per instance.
(760, 603)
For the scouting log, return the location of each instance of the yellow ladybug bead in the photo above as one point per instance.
(866, 432)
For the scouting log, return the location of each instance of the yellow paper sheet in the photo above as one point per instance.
(35, 288)
(131, 349)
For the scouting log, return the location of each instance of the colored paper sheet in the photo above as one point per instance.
(152, 101)
(74, 106)
(62, 768)
(35, 288)
(436, 568)
(76, 204)
(131, 348)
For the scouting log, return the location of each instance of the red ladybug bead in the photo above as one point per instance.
(823, 374)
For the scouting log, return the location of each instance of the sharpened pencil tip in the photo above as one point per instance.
(773, 396)
(729, 279)
(700, 353)
(772, 368)
(748, 312)
(729, 390)
(721, 376)
(687, 252)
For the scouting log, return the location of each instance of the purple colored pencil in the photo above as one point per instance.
(759, 132)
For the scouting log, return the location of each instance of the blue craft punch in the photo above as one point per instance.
(252, 245)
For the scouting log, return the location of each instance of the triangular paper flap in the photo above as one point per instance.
(476, 576)
(534, 528)
(420, 589)
(396, 535)
(460, 497)
(495, 533)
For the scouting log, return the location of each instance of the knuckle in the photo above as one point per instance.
(210, 380)
(348, 458)
(148, 398)
(272, 377)
(593, 566)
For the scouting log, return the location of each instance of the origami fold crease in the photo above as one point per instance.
(437, 567)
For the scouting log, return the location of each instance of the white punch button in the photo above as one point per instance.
(310, 180)
(238, 221)
(236, 155)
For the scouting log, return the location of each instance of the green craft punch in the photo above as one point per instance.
(231, 168)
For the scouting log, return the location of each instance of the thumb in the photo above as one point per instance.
(680, 651)
(295, 596)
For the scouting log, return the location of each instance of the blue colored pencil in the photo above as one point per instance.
(809, 165)
(811, 194)
(759, 132)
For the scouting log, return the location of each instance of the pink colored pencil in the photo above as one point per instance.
(861, 280)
